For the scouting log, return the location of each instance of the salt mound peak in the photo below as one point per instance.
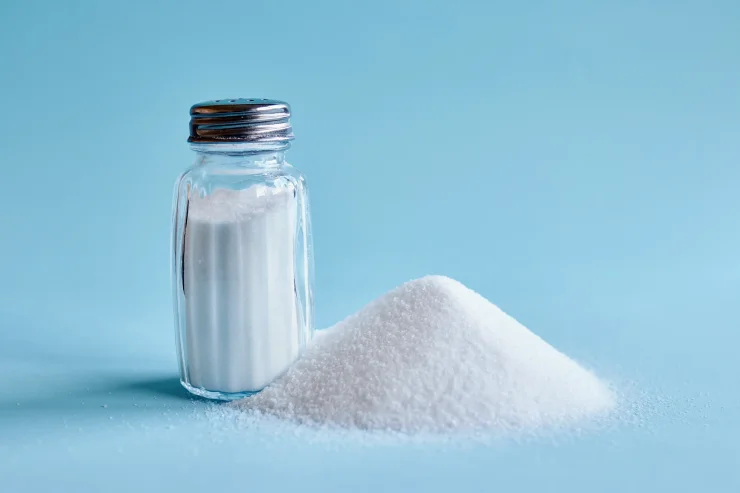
(433, 356)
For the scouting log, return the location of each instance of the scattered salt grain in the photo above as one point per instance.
(433, 356)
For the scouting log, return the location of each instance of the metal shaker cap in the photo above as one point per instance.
(241, 120)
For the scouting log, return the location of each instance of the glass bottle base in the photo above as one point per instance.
(216, 395)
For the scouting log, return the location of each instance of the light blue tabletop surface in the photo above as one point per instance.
(577, 163)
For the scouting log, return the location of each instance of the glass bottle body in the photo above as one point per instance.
(242, 268)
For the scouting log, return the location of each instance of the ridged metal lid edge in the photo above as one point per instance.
(241, 120)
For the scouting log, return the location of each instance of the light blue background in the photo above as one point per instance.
(576, 162)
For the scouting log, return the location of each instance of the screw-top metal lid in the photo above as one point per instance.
(240, 120)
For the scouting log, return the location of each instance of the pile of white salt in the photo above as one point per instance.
(433, 356)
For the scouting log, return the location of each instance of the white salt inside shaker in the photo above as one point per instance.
(242, 327)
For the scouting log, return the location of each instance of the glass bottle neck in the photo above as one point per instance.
(243, 154)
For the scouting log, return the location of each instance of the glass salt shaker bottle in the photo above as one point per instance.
(242, 266)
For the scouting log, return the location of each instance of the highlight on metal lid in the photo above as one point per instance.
(241, 120)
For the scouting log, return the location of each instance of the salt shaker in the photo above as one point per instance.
(242, 265)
